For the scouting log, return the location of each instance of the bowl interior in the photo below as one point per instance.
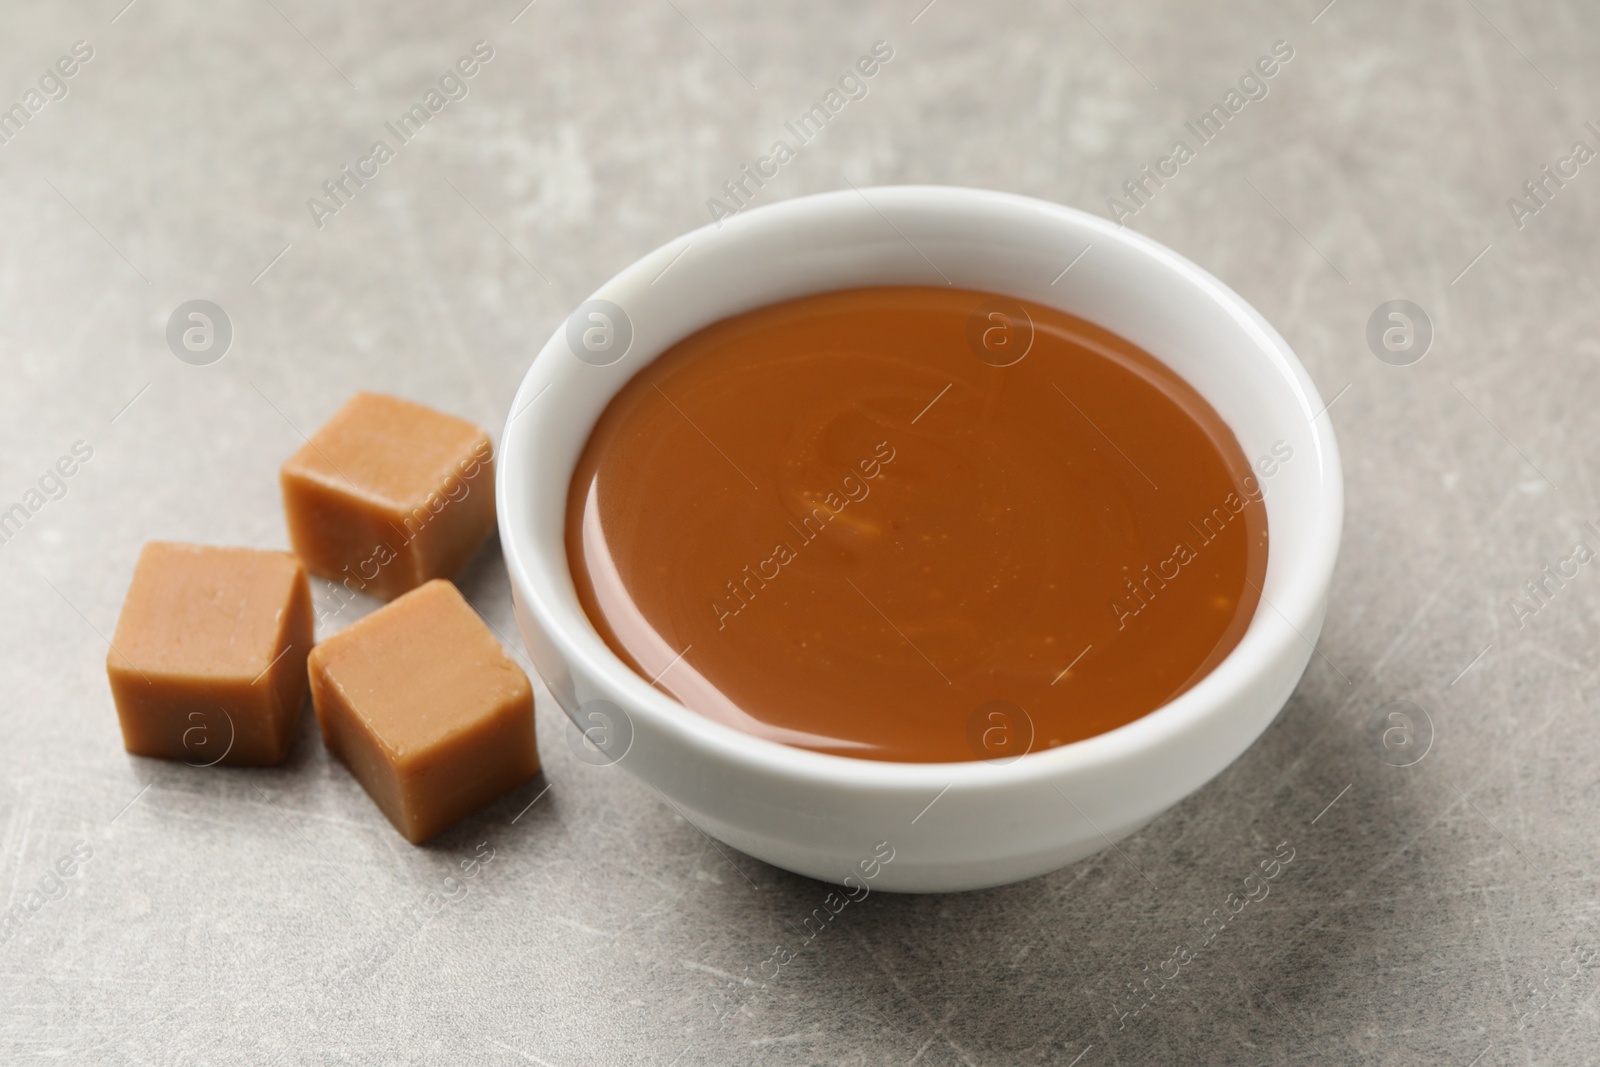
(932, 236)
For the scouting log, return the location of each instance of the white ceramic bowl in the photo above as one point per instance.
(826, 816)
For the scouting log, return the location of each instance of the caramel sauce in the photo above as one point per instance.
(916, 524)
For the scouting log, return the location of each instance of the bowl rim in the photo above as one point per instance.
(1307, 562)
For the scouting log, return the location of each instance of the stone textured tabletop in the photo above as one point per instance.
(1439, 906)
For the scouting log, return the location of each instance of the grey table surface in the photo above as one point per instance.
(1441, 912)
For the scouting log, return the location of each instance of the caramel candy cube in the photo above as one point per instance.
(425, 708)
(389, 494)
(208, 663)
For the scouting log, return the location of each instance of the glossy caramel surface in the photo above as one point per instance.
(916, 524)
